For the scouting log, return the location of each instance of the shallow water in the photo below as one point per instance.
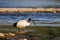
(44, 18)
(29, 3)
(9, 19)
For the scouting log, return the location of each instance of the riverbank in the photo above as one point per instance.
(33, 29)
(53, 10)
(40, 32)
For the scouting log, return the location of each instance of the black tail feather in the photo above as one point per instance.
(15, 24)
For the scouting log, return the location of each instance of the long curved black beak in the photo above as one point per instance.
(33, 22)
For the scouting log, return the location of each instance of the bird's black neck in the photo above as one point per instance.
(29, 19)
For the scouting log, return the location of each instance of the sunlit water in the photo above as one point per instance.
(9, 19)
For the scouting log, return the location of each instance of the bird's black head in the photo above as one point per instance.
(29, 19)
(15, 24)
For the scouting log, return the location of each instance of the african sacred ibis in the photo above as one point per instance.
(23, 23)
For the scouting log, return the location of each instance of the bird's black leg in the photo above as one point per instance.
(19, 30)
(23, 29)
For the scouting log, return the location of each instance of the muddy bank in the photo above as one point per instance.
(53, 10)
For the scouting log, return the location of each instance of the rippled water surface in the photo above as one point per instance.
(43, 17)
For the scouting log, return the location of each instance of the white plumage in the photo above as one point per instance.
(22, 23)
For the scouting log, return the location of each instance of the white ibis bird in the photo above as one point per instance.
(23, 23)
